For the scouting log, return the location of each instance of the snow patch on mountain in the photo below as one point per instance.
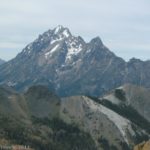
(49, 53)
(57, 29)
(28, 49)
(56, 40)
(73, 48)
(60, 36)
(72, 51)
(66, 33)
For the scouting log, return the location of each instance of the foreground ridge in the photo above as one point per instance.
(71, 122)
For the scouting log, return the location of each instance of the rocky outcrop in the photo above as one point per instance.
(103, 123)
(130, 95)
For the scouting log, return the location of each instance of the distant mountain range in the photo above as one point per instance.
(70, 66)
(44, 121)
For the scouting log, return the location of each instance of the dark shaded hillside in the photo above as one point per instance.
(57, 135)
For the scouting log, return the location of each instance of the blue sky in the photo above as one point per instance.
(123, 25)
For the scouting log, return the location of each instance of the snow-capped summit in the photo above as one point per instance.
(53, 43)
(66, 33)
(62, 30)
(58, 29)
(72, 66)
(58, 58)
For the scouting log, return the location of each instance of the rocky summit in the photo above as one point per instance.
(70, 66)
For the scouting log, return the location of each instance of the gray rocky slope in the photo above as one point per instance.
(135, 97)
(71, 66)
(121, 117)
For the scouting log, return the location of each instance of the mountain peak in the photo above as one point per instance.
(58, 29)
(96, 41)
(62, 30)
(61, 60)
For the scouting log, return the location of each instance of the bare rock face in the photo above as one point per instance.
(131, 96)
(71, 66)
(143, 146)
(107, 127)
